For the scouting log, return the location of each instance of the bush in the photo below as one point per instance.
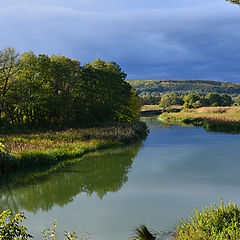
(216, 222)
(10, 227)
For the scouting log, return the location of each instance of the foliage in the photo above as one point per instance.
(214, 99)
(57, 91)
(51, 232)
(212, 223)
(11, 228)
(142, 233)
(217, 222)
(167, 100)
(9, 67)
(234, 1)
(237, 101)
(192, 100)
(226, 100)
(150, 90)
(2, 149)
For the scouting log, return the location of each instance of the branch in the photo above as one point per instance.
(234, 1)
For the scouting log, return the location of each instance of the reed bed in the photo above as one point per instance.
(27, 151)
(213, 114)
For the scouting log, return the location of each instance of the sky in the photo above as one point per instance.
(173, 39)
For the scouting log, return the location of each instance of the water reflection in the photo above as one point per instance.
(98, 173)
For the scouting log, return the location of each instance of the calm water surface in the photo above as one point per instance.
(175, 170)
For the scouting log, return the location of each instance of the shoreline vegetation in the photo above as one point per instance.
(31, 151)
(218, 221)
(52, 108)
(219, 119)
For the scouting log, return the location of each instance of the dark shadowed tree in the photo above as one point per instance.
(214, 99)
(226, 100)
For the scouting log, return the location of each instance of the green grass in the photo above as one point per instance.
(217, 222)
(29, 151)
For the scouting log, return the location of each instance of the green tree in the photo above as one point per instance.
(65, 83)
(214, 99)
(226, 100)
(237, 101)
(9, 66)
(168, 100)
(105, 91)
(130, 111)
(56, 90)
(33, 93)
(192, 100)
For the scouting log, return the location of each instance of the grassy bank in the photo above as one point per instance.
(29, 151)
(223, 119)
(219, 221)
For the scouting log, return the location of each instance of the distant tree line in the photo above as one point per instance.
(193, 100)
(151, 90)
(38, 89)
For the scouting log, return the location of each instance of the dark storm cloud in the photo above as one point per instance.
(177, 39)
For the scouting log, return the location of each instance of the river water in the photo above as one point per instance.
(155, 182)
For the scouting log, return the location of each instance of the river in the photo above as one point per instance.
(107, 194)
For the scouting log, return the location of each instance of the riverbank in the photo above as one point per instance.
(154, 110)
(30, 151)
(222, 119)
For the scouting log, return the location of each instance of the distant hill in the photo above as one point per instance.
(155, 88)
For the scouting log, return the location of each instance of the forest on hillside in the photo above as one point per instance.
(152, 89)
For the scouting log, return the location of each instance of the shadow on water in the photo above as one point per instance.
(233, 128)
(100, 173)
(208, 125)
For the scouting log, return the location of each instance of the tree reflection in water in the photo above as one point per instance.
(99, 173)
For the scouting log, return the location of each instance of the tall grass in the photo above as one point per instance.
(217, 222)
(223, 119)
(26, 151)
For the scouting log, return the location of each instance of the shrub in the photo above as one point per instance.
(10, 227)
(217, 222)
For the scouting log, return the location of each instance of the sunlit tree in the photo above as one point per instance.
(9, 66)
